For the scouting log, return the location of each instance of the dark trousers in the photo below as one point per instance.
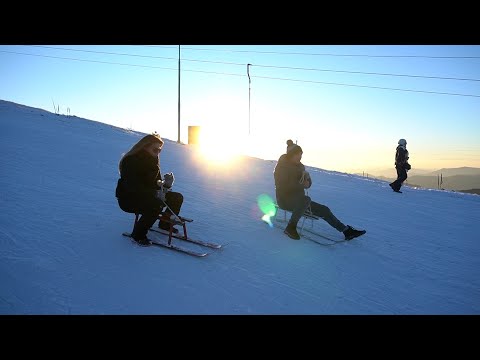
(298, 206)
(401, 177)
(150, 208)
(174, 201)
(326, 214)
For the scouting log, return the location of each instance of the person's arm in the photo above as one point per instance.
(401, 157)
(307, 184)
(307, 180)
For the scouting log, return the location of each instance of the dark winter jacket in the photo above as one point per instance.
(401, 157)
(287, 180)
(138, 180)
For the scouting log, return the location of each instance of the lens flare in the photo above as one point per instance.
(268, 208)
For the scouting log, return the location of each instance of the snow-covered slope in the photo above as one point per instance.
(62, 251)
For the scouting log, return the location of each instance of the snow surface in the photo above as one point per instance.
(62, 251)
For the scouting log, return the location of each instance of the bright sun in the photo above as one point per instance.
(220, 146)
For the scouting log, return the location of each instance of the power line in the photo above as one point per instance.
(372, 73)
(266, 66)
(105, 52)
(262, 77)
(319, 54)
(341, 84)
(94, 61)
(371, 87)
(341, 55)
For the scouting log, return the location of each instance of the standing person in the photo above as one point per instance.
(401, 164)
(141, 188)
(291, 180)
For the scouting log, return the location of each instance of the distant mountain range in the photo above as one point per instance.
(466, 179)
(456, 171)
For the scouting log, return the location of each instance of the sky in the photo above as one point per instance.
(347, 106)
(63, 253)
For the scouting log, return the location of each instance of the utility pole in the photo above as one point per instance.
(178, 140)
(249, 82)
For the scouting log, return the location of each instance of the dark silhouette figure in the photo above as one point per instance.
(401, 164)
(141, 188)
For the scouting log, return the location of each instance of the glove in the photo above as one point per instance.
(168, 180)
(305, 177)
(305, 180)
(407, 166)
(161, 195)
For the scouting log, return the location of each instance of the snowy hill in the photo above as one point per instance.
(62, 251)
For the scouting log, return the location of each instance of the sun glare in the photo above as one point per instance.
(220, 146)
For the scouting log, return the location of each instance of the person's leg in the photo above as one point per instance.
(326, 214)
(147, 219)
(149, 209)
(174, 201)
(402, 176)
(394, 184)
(297, 206)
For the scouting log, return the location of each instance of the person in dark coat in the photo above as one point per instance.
(401, 165)
(291, 180)
(142, 189)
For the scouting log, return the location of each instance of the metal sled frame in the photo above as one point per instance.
(172, 222)
(306, 215)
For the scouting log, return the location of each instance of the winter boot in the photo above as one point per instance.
(139, 236)
(351, 233)
(291, 231)
(141, 240)
(166, 226)
(395, 189)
